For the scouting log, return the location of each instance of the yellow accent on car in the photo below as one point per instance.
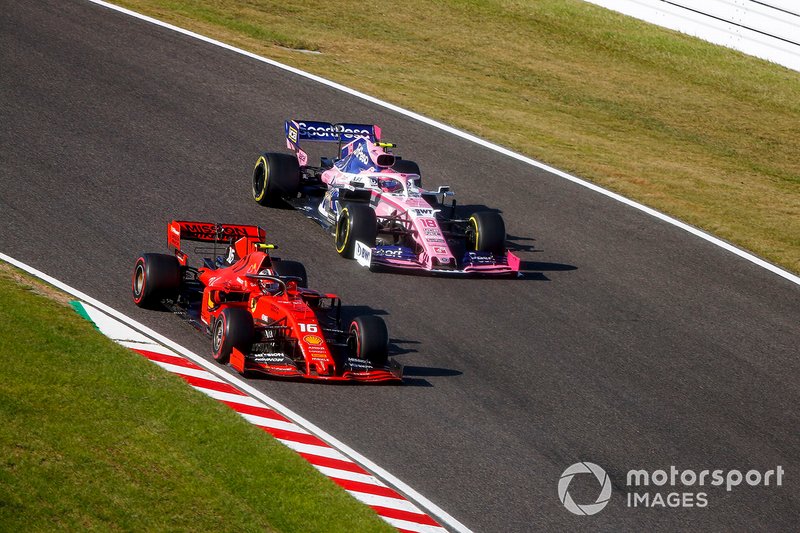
(347, 230)
(266, 179)
(474, 222)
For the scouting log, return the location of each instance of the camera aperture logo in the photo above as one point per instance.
(667, 488)
(584, 468)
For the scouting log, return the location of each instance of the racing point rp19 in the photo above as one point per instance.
(373, 204)
(257, 309)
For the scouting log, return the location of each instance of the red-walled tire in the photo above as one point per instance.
(233, 328)
(369, 339)
(155, 277)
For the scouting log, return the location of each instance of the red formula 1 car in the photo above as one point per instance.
(257, 310)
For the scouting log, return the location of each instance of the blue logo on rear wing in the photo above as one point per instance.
(311, 130)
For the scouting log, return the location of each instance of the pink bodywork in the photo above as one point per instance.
(415, 213)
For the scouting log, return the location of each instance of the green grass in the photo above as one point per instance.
(704, 133)
(95, 437)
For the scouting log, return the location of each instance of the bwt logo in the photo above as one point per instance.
(584, 468)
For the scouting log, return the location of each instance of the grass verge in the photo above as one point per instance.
(95, 437)
(701, 132)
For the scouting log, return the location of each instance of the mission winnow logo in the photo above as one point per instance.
(664, 488)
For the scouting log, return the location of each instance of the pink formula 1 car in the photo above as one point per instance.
(374, 206)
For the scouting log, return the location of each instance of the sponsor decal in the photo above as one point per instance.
(435, 241)
(324, 131)
(432, 232)
(293, 134)
(394, 252)
(210, 232)
(358, 364)
(313, 339)
(269, 358)
(389, 253)
(360, 154)
(363, 254)
(420, 212)
(439, 250)
(479, 257)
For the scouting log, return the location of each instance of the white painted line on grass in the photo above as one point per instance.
(472, 138)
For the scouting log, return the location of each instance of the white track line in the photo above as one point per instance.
(472, 138)
(338, 449)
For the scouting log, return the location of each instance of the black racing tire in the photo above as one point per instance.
(276, 177)
(293, 269)
(234, 328)
(486, 232)
(369, 339)
(356, 222)
(155, 277)
(405, 166)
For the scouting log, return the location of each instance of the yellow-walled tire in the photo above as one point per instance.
(486, 232)
(276, 177)
(356, 222)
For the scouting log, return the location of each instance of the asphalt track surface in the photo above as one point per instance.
(628, 342)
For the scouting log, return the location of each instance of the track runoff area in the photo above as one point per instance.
(394, 501)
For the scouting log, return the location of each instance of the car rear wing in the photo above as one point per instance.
(312, 130)
(244, 236)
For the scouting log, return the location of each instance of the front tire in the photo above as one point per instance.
(233, 328)
(486, 232)
(276, 177)
(155, 277)
(369, 339)
(356, 222)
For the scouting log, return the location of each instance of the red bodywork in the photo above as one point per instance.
(290, 320)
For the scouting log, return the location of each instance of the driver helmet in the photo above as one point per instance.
(390, 185)
(268, 286)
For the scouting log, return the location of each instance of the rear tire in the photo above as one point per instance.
(486, 232)
(369, 339)
(356, 222)
(233, 329)
(155, 277)
(293, 269)
(276, 177)
(404, 166)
